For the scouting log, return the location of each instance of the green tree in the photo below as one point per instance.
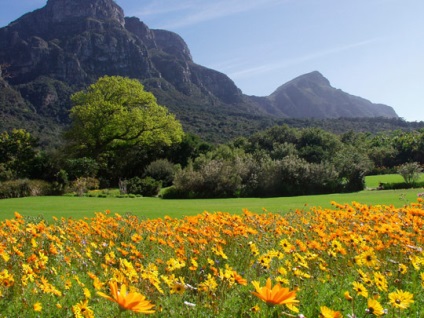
(81, 167)
(116, 113)
(317, 145)
(17, 154)
(352, 166)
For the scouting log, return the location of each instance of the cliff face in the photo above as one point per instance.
(68, 44)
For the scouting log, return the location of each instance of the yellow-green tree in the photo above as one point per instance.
(116, 113)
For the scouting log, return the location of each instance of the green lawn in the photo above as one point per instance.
(374, 181)
(78, 207)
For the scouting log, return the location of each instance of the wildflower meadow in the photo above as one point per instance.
(350, 260)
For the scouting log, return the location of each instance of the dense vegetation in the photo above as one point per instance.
(287, 161)
(120, 137)
(276, 162)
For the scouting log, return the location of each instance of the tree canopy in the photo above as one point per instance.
(17, 154)
(115, 113)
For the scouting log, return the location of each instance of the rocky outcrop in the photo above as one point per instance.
(64, 10)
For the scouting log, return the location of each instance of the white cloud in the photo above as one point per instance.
(264, 68)
(191, 12)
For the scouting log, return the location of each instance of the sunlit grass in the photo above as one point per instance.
(79, 207)
(374, 181)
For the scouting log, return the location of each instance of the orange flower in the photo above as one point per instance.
(239, 279)
(276, 295)
(128, 300)
(329, 313)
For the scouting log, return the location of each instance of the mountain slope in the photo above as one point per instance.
(311, 95)
(68, 44)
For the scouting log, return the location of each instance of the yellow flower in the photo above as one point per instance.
(360, 289)
(253, 249)
(255, 308)
(287, 247)
(380, 281)
(177, 288)
(276, 295)
(403, 269)
(174, 264)
(81, 310)
(368, 258)
(374, 307)
(329, 313)
(347, 296)
(87, 293)
(401, 299)
(194, 264)
(37, 306)
(128, 300)
(209, 285)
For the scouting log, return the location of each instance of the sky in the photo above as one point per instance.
(369, 48)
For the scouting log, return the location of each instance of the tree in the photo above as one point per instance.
(352, 166)
(17, 154)
(317, 145)
(116, 113)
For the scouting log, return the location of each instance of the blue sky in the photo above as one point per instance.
(369, 48)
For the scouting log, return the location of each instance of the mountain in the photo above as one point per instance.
(63, 47)
(311, 95)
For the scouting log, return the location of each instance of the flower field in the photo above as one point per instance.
(348, 261)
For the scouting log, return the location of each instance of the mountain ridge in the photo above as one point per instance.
(316, 90)
(68, 44)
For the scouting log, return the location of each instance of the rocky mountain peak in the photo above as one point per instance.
(312, 95)
(62, 10)
(314, 77)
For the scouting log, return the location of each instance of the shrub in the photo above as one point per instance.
(148, 186)
(400, 185)
(215, 178)
(83, 184)
(39, 187)
(288, 176)
(162, 170)
(244, 176)
(173, 193)
(61, 182)
(410, 172)
(5, 172)
(323, 178)
(24, 188)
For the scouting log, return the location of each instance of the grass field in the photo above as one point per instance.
(79, 207)
(374, 181)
